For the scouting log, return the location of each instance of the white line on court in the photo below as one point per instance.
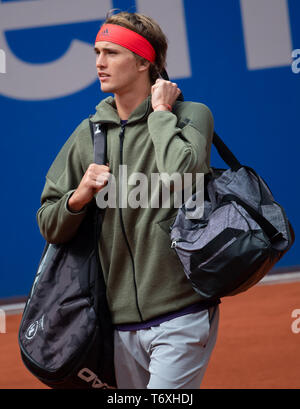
(12, 309)
(280, 278)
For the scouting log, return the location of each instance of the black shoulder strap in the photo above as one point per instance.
(164, 75)
(98, 134)
(225, 153)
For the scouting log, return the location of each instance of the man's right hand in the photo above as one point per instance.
(94, 179)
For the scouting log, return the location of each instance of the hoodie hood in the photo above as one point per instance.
(106, 111)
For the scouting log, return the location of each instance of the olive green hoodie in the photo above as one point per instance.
(143, 275)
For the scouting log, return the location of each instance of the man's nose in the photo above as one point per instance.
(101, 60)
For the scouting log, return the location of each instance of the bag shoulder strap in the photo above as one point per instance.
(98, 134)
(225, 153)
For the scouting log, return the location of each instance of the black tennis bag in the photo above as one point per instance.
(66, 334)
(236, 237)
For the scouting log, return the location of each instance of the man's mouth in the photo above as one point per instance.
(103, 76)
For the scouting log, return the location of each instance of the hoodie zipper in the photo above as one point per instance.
(122, 135)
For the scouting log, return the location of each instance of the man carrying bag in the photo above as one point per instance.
(163, 332)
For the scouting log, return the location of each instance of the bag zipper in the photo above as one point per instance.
(122, 135)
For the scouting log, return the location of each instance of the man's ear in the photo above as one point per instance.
(143, 65)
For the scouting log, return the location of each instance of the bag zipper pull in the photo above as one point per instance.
(174, 244)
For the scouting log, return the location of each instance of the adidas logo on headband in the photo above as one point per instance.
(128, 39)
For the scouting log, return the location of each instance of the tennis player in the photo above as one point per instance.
(164, 332)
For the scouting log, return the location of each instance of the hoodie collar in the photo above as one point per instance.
(106, 111)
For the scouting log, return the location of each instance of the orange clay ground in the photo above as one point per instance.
(256, 347)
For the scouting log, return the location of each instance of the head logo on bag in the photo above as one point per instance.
(33, 328)
(31, 332)
(76, 348)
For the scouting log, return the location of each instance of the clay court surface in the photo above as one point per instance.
(256, 347)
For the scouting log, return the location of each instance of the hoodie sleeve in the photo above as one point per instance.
(56, 222)
(182, 138)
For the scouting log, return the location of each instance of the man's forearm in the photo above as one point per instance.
(57, 222)
(75, 204)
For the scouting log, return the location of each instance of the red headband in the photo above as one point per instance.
(129, 39)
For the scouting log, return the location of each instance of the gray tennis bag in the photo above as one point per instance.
(240, 235)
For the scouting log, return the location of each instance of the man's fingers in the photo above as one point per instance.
(163, 84)
(97, 175)
(102, 179)
(94, 167)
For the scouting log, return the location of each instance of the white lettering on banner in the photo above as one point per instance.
(170, 16)
(267, 33)
(296, 62)
(2, 62)
(75, 70)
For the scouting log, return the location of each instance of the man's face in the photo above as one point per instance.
(117, 67)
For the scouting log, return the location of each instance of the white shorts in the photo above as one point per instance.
(172, 355)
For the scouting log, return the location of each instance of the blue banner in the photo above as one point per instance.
(241, 58)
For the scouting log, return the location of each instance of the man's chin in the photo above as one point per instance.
(105, 88)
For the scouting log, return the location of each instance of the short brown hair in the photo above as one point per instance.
(149, 29)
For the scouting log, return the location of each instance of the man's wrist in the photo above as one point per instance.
(162, 107)
(74, 205)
